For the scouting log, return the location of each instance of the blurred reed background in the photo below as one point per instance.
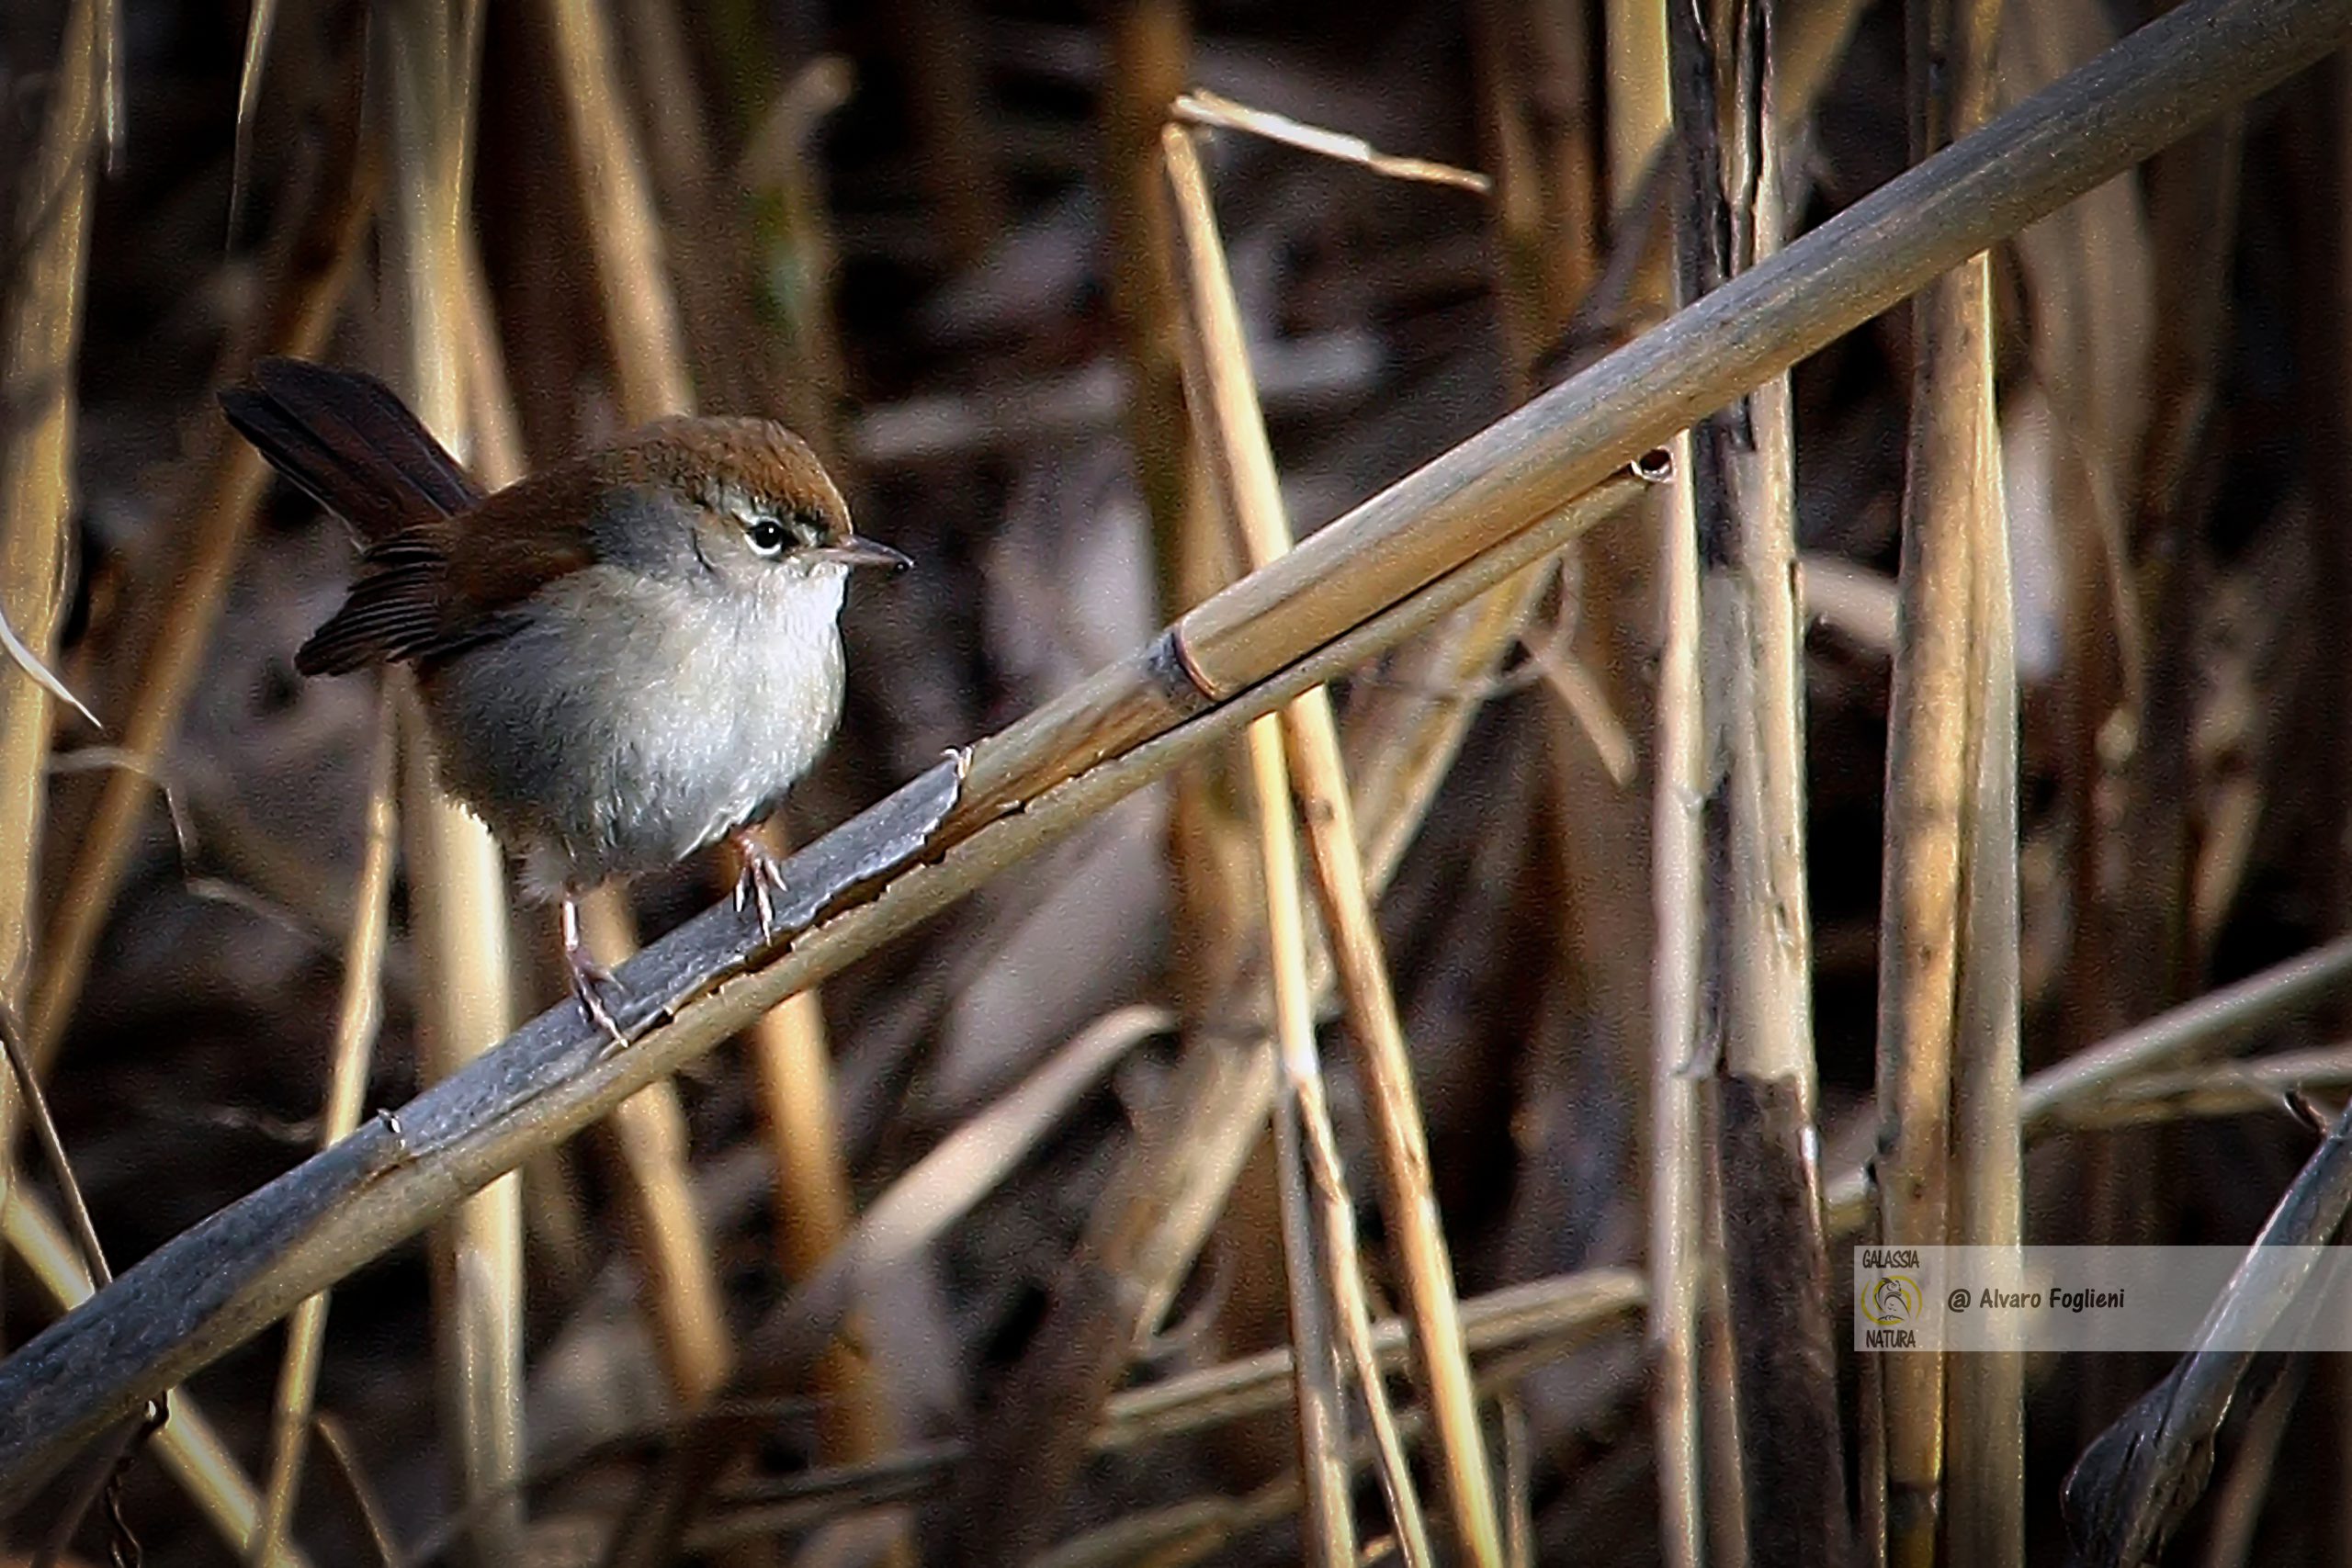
(1949, 766)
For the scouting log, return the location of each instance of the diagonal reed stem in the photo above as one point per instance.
(1237, 438)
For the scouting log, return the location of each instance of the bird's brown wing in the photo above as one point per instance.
(454, 584)
(447, 567)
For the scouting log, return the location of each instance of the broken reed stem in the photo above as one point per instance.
(1319, 1402)
(1215, 111)
(358, 1017)
(1757, 951)
(191, 1451)
(41, 326)
(457, 893)
(308, 278)
(1227, 405)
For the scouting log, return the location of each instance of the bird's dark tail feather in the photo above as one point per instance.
(350, 444)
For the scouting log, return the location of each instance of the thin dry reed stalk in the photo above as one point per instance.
(1950, 478)
(1985, 1394)
(1632, 35)
(649, 351)
(815, 1213)
(1213, 931)
(41, 325)
(1318, 1402)
(261, 23)
(357, 1018)
(457, 891)
(1640, 114)
(205, 539)
(685, 1313)
(2225, 1089)
(1227, 404)
(730, 352)
(1955, 948)
(1150, 56)
(795, 245)
(2117, 1071)
(1677, 1220)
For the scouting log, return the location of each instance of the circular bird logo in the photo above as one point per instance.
(1893, 1300)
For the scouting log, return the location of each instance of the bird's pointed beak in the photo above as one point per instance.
(863, 552)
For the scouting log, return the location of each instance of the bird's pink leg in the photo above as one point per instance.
(762, 878)
(587, 973)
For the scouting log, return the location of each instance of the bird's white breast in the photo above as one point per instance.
(640, 719)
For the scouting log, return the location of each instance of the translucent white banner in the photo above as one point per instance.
(2102, 1297)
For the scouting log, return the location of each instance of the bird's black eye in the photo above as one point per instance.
(768, 535)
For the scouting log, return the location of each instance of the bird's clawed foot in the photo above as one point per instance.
(587, 975)
(761, 881)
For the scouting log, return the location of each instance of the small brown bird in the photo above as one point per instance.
(623, 658)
